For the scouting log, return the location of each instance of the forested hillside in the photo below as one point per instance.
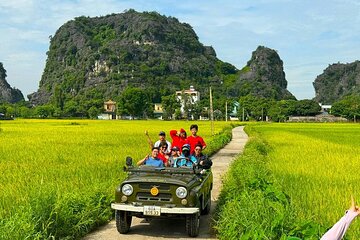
(97, 58)
(263, 76)
(337, 80)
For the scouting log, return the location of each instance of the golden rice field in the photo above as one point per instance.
(318, 165)
(48, 168)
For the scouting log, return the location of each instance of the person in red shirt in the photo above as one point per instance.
(194, 139)
(162, 153)
(178, 138)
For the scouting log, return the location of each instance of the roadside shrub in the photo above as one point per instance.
(252, 205)
(219, 140)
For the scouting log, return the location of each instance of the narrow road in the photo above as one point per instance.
(175, 228)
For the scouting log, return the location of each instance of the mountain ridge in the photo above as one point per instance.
(97, 58)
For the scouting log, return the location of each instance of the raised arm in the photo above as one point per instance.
(173, 133)
(338, 231)
(151, 144)
(142, 161)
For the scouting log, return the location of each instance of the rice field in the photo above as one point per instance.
(53, 169)
(318, 166)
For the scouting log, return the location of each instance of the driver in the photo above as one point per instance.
(185, 159)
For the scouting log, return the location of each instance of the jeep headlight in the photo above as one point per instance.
(127, 189)
(181, 192)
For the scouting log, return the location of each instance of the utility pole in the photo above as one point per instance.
(226, 116)
(211, 113)
(243, 114)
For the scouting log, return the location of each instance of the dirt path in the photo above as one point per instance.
(173, 228)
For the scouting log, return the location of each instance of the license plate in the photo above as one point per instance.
(151, 210)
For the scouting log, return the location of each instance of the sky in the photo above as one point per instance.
(307, 35)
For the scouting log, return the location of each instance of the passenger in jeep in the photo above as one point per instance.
(195, 139)
(178, 138)
(175, 154)
(163, 146)
(202, 160)
(152, 160)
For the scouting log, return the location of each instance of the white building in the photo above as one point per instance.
(187, 97)
(325, 109)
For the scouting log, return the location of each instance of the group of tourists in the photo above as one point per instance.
(183, 151)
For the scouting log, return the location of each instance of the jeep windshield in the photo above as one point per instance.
(165, 170)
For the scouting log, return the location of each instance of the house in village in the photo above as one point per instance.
(158, 111)
(325, 109)
(109, 111)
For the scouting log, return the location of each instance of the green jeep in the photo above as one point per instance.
(153, 192)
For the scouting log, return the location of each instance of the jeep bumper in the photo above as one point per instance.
(163, 210)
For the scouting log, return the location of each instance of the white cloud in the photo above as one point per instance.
(308, 35)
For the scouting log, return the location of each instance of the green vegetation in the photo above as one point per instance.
(348, 107)
(293, 181)
(256, 108)
(58, 176)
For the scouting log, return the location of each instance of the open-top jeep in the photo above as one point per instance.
(153, 192)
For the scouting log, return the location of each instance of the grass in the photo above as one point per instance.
(58, 176)
(292, 182)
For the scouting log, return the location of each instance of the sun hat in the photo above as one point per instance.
(186, 147)
(175, 148)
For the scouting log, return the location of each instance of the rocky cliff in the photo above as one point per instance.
(97, 58)
(263, 76)
(8, 94)
(337, 81)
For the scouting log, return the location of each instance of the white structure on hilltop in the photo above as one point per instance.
(187, 97)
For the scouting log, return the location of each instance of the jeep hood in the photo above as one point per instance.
(176, 179)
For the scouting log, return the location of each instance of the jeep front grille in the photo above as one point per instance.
(148, 186)
(162, 197)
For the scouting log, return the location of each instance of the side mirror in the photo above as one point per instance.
(129, 161)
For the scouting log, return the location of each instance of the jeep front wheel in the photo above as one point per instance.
(123, 221)
(193, 224)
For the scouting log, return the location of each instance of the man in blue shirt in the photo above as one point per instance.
(153, 160)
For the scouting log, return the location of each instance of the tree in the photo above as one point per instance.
(307, 107)
(70, 108)
(135, 102)
(254, 107)
(25, 112)
(348, 107)
(93, 112)
(44, 111)
(170, 105)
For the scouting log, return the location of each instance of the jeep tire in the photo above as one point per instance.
(123, 221)
(193, 224)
